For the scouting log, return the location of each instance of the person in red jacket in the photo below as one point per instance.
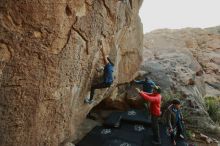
(155, 103)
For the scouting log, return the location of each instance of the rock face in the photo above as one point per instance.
(194, 53)
(186, 61)
(48, 59)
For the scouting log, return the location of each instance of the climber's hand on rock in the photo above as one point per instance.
(100, 43)
(103, 43)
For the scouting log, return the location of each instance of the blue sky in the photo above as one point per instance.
(174, 14)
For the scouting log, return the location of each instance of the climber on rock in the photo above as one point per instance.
(107, 76)
(173, 119)
(148, 84)
(155, 103)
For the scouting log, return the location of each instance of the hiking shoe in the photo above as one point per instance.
(156, 142)
(181, 136)
(88, 101)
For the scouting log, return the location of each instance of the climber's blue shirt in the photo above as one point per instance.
(147, 85)
(178, 116)
(108, 73)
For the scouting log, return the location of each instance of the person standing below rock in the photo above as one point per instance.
(148, 84)
(155, 103)
(107, 76)
(173, 119)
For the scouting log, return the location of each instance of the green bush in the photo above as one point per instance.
(213, 108)
(189, 134)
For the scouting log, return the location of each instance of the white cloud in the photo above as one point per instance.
(174, 14)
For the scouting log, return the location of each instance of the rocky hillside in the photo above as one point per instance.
(186, 61)
(199, 47)
(48, 59)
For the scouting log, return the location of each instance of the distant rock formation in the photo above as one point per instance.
(194, 54)
(48, 59)
(187, 61)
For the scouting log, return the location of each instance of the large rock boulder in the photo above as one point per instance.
(48, 59)
(186, 61)
(194, 49)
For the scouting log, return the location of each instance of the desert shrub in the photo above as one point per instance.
(189, 134)
(213, 108)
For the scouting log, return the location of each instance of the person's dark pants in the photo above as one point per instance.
(98, 86)
(172, 137)
(179, 130)
(155, 128)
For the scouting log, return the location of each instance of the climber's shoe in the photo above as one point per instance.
(88, 101)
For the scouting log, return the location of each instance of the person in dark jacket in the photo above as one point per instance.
(173, 119)
(107, 76)
(155, 103)
(148, 84)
